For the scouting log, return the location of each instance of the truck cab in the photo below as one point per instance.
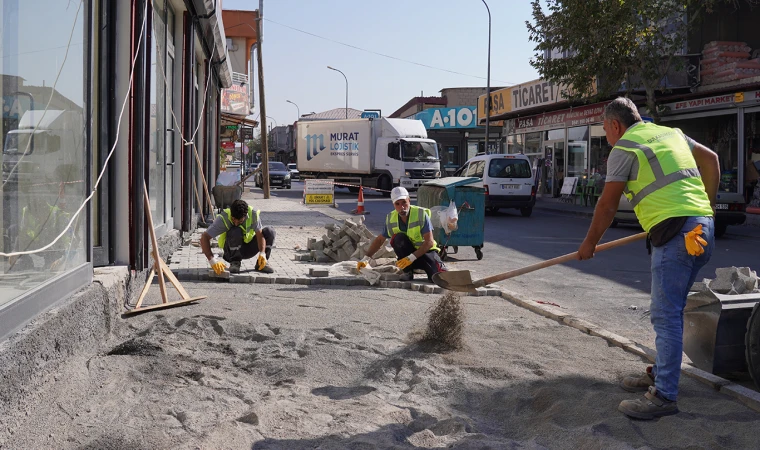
(410, 157)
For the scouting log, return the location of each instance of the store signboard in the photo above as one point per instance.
(319, 192)
(500, 104)
(235, 98)
(714, 102)
(448, 118)
(573, 117)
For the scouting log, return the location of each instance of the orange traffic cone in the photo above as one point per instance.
(360, 203)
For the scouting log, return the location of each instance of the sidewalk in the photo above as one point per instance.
(750, 228)
(294, 224)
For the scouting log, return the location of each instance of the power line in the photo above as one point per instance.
(382, 54)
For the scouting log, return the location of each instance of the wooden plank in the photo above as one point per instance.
(154, 243)
(145, 288)
(173, 279)
(163, 305)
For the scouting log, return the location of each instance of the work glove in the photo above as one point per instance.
(406, 262)
(261, 261)
(218, 265)
(695, 245)
(362, 264)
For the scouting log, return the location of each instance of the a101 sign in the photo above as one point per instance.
(447, 118)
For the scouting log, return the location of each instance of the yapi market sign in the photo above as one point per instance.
(448, 118)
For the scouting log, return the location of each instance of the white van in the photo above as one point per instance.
(508, 180)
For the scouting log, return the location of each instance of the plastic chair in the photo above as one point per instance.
(590, 192)
(580, 192)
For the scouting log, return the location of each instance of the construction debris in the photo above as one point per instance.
(348, 241)
(731, 281)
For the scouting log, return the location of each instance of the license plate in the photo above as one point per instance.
(406, 182)
(721, 206)
(510, 186)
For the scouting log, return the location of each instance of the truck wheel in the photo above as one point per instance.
(385, 184)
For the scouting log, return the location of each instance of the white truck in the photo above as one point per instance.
(380, 153)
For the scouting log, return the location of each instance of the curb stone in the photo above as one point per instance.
(748, 397)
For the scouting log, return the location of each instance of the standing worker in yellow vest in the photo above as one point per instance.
(672, 183)
(411, 233)
(241, 236)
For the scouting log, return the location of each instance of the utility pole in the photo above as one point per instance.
(262, 105)
(488, 79)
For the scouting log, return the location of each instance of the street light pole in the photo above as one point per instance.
(344, 76)
(488, 77)
(297, 108)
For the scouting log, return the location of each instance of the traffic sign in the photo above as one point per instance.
(370, 115)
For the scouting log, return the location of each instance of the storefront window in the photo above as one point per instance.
(156, 158)
(719, 134)
(577, 149)
(600, 150)
(515, 143)
(752, 158)
(44, 141)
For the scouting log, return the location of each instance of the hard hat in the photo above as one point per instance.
(398, 193)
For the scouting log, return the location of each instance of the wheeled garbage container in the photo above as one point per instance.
(469, 196)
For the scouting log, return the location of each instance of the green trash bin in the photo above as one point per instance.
(469, 196)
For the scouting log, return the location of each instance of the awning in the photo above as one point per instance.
(212, 27)
(239, 120)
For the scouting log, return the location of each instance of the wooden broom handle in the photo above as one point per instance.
(558, 260)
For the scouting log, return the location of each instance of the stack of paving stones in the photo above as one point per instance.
(347, 242)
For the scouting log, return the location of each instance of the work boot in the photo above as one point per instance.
(639, 383)
(650, 407)
(406, 276)
(235, 267)
(266, 269)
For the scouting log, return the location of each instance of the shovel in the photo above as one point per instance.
(461, 280)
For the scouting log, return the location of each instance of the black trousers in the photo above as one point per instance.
(235, 250)
(430, 262)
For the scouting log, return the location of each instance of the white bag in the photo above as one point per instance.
(445, 217)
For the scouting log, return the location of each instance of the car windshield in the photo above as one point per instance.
(277, 166)
(509, 168)
(418, 151)
(292, 166)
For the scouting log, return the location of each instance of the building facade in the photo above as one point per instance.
(123, 100)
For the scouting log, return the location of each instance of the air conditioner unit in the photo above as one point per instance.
(231, 46)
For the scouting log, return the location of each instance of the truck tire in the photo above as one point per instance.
(385, 184)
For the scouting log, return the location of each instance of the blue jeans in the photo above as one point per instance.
(673, 273)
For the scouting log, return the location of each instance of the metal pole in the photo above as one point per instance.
(262, 106)
(344, 76)
(488, 77)
(297, 108)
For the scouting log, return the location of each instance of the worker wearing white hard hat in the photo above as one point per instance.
(411, 233)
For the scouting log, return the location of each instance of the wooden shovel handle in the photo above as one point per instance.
(557, 260)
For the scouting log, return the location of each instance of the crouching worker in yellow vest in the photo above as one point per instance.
(241, 236)
(411, 233)
(672, 183)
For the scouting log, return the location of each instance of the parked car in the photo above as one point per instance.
(279, 176)
(729, 210)
(508, 180)
(294, 174)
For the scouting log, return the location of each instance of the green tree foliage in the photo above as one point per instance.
(612, 45)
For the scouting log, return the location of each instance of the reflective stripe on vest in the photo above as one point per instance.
(248, 227)
(414, 225)
(668, 183)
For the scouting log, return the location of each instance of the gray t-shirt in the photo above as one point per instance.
(218, 227)
(624, 166)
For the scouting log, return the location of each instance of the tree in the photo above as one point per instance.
(611, 45)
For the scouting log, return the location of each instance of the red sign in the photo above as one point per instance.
(228, 145)
(573, 117)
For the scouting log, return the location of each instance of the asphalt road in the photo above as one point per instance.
(611, 290)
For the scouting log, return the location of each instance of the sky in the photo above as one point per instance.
(445, 34)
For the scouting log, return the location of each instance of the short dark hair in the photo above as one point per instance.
(239, 209)
(623, 110)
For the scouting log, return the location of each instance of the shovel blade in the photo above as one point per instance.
(455, 280)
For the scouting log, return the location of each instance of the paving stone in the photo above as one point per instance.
(428, 289)
(244, 278)
(264, 280)
(319, 272)
(284, 280)
(303, 281)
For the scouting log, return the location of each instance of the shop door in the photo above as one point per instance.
(576, 159)
(558, 168)
(450, 159)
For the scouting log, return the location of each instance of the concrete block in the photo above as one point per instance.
(310, 243)
(382, 284)
(707, 378)
(212, 275)
(610, 337)
(264, 280)
(303, 281)
(341, 242)
(406, 285)
(319, 272)
(318, 245)
(580, 324)
(493, 292)
(394, 284)
(330, 226)
(428, 288)
(386, 262)
(343, 255)
(350, 223)
(390, 277)
(416, 286)
(353, 235)
(331, 254)
(744, 395)
(284, 280)
(238, 278)
(349, 248)
(326, 240)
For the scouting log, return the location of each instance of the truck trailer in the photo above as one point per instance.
(378, 153)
